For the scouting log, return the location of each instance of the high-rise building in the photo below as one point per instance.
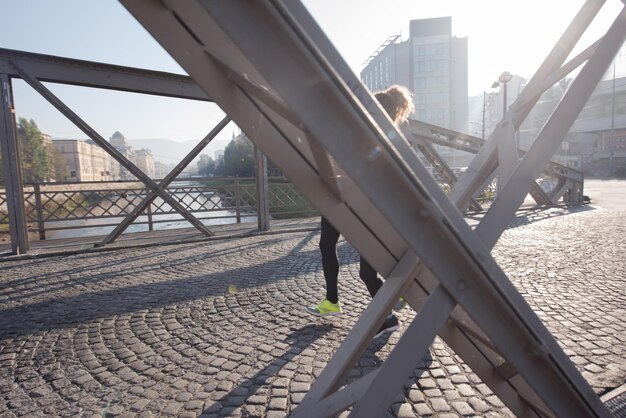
(433, 65)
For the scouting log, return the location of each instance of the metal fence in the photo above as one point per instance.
(89, 208)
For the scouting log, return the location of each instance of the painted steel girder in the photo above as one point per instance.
(53, 69)
(472, 144)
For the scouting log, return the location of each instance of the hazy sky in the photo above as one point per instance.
(502, 35)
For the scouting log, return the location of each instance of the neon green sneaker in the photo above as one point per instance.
(326, 307)
(400, 304)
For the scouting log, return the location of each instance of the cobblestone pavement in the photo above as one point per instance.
(218, 328)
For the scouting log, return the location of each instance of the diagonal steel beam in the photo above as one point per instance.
(438, 163)
(406, 355)
(351, 350)
(422, 134)
(418, 130)
(59, 105)
(119, 229)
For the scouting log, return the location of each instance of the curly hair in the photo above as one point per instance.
(397, 101)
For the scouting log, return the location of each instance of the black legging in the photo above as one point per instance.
(330, 264)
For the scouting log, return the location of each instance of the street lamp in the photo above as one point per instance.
(504, 78)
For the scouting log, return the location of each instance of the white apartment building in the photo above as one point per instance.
(85, 161)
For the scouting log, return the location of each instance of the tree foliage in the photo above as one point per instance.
(36, 161)
(208, 167)
(238, 161)
(239, 157)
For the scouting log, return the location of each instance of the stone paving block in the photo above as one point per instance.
(439, 404)
(422, 409)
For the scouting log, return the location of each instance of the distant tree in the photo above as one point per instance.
(239, 157)
(36, 164)
(219, 167)
(206, 166)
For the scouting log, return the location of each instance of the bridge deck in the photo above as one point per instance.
(218, 328)
(69, 245)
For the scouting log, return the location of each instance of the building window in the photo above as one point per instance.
(375, 81)
(386, 70)
(72, 173)
(430, 50)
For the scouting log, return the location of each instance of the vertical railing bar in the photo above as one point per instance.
(237, 200)
(262, 191)
(39, 211)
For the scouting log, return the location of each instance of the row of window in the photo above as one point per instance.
(618, 144)
(425, 50)
(430, 82)
(430, 66)
(378, 75)
(431, 98)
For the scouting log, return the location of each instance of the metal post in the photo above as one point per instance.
(612, 138)
(237, 193)
(504, 99)
(484, 105)
(149, 213)
(262, 191)
(12, 170)
(39, 211)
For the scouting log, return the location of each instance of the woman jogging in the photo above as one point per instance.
(397, 102)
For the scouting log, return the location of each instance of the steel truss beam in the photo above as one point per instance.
(386, 204)
(50, 68)
(422, 133)
(104, 144)
(424, 145)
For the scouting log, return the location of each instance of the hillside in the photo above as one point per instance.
(168, 151)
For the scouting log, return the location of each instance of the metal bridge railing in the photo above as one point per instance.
(52, 207)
